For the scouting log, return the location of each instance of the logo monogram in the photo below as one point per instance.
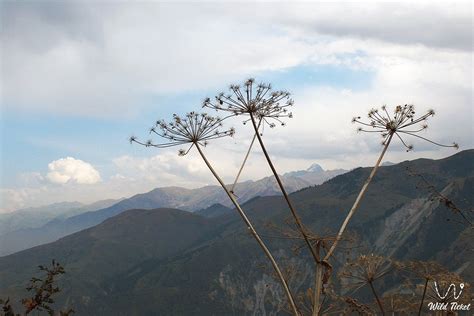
(453, 286)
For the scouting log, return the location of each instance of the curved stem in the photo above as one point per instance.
(377, 298)
(296, 218)
(254, 234)
(423, 297)
(283, 191)
(245, 159)
(358, 199)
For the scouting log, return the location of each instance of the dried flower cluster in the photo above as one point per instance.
(421, 269)
(253, 99)
(401, 123)
(193, 129)
(364, 270)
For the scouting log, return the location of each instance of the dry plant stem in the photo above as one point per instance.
(254, 234)
(377, 298)
(295, 216)
(358, 199)
(283, 191)
(318, 289)
(423, 297)
(245, 159)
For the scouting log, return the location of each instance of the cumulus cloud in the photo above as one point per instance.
(70, 170)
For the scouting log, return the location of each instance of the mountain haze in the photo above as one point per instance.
(174, 197)
(171, 262)
(37, 216)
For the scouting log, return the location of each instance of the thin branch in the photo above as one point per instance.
(245, 160)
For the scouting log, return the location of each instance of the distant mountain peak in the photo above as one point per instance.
(315, 168)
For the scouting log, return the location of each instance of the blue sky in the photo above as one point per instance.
(79, 78)
(46, 136)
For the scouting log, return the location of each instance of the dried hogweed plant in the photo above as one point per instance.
(442, 198)
(402, 122)
(196, 130)
(192, 130)
(421, 270)
(257, 100)
(266, 107)
(363, 271)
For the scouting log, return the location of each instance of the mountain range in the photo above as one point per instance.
(48, 228)
(37, 216)
(167, 261)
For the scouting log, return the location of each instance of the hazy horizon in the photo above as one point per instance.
(78, 78)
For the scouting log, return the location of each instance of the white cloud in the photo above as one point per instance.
(101, 62)
(321, 129)
(173, 48)
(12, 199)
(167, 168)
(436, 25)
(103, 59)
(31, 178)
(70, 170)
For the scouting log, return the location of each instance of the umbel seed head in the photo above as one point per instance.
(257, 100)
(364, 270)
(192, 129)
(402, 122)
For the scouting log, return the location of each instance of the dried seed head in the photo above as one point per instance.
(427, 270)
(364, 270)
(191, 129)
(253, 99)
(401, 123)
